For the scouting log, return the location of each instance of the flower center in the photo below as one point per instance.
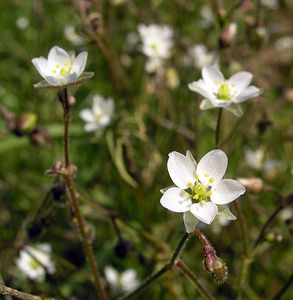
(34, 264)
(63, 70)
(224, 92)
(199, 192)
(154, 46)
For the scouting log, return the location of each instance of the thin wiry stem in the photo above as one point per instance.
(74, 199)
(190, 275)
(283, 290)
(218, 128)
(288, 200)
(168, 266)
(7, 291)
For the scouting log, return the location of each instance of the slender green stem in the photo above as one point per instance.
(190, 275)
(242, 227)
(218, 128)
(74, 200)
(147, 282)
(180, 246)
(288, 200)
(283, 290)
(168, 266)
(7, 291)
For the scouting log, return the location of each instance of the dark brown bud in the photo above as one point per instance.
(96, 21)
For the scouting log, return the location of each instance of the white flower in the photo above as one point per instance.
(125, 281)
(284, 43)
(254, 158)
(201, 57)
(200, 187)
(157, 41)
(60, 68)
(100, 115)
(219, 92)
(22, 23)
(35, 261)
(71, 35)
(206, 14)
(272, 4)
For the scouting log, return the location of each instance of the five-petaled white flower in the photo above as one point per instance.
(157, 41)
(60, 69)
(100, 115)
(219, 92)
(126, 281)
(201, 57)
(35, 261)
(200, 187)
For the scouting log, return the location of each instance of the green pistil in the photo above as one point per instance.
(200, 192)
(34, 264)
(224, 92)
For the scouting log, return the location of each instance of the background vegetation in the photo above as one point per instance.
(123, 169)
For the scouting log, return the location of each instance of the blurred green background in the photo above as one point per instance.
(124, 167)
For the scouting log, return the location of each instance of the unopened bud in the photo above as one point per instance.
(123, 248)
(96, 21)
(274, 237)
(40, 136)
(58, 191)
(214, 264)
(25, 123)
(227, 36)
(253, 184)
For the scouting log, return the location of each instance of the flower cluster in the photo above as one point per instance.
(200, 188)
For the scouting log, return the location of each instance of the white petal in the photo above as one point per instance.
(71, 77)
(225, 212)
(205, 211)
(206, 104)
(191, 158)
(58, 56)
(212, 167)
(41, 64)
(55, 80)
(79, 63)
(91, 127)
(111, 276)
(87, 115)
(251, 92)
(240, 81)
(190, 221)
(181, 170)
(176, 200)
(212, 76)
(236, 109)
(226, 191)
(201, 88)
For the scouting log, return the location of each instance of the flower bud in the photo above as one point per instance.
(253, 184)
(96, 21)
(58, 191)
(227, 36)
(24, 123)
(123, 248)
(40, 136)
(214, 264)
